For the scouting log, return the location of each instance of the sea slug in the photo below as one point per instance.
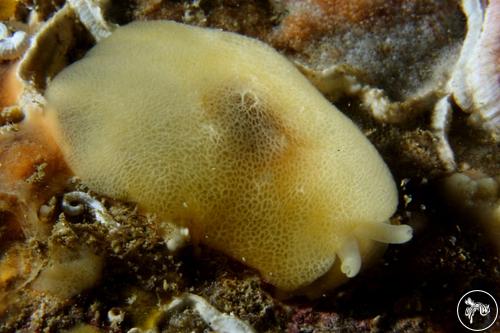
(220, 134)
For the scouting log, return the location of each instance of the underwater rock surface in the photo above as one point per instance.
(414, 288)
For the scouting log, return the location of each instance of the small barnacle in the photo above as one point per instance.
(115, 317)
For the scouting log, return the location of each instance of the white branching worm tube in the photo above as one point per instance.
(12, 47)
(91, 16)
(440, 124)
(73, 205)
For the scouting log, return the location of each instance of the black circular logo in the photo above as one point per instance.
(477, 310)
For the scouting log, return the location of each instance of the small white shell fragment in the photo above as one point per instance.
(178, 239)
(218, 321)
(12, 47)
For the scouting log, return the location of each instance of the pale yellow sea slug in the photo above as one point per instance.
(219, 133)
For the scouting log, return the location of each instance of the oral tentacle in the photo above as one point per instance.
(385, 232)
(350, 257)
